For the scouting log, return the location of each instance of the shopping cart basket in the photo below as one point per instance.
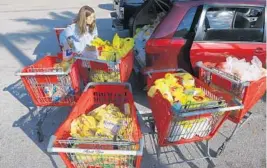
(96, 153)
(248, 93)
(42, 79)
(190, 122)
(104, 71)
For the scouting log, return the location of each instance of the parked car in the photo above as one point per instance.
(203, 30)
(123, 13)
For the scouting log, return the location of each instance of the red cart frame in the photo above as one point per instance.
(97, 153)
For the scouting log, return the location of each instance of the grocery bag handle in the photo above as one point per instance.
(53, 138)
(221, 74)
(92, 84)
(150, 72)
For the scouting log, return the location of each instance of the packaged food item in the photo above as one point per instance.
(127, 109)
(194, 92)
(57, 92)
(102, 133)
(102, 76)
(197, 99)
(112, 125)
(180, 97)
(187, 80)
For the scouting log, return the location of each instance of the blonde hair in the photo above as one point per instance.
(80, 20)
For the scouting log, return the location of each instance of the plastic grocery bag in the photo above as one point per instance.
(116, 43)
(245, 71)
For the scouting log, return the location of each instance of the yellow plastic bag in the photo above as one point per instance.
(103, 114)
(116, 42)
(180, 96)
(97, 42)
(83, 126)
(170, 79)
(152, 91)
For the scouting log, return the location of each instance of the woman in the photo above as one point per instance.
(78, 36)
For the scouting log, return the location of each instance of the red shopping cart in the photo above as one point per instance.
(100, 153)
(190, 122)
(247, 93)
(104, 71)
(48, 85)
(43, 77)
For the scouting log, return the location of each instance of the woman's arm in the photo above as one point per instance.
(63, 37)
(95, 32)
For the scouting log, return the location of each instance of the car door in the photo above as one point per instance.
(182, 39)
(225, 36)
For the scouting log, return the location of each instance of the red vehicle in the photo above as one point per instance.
(204, 30)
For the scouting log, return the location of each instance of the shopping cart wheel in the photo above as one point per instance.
(220, 150)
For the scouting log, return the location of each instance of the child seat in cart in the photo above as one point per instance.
(98, 152)
(105, 71)
(191, 122)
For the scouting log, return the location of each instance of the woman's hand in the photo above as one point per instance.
(70, 42)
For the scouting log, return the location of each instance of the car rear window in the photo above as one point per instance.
(220, 19)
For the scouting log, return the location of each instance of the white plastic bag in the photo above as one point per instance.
(246, 71)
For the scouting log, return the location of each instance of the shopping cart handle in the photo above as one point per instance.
(216, 72)
(50, 143)
(17, 73)
(92, 84)
(51, 149)
(149, 72)
(97, 60)
(238, 106)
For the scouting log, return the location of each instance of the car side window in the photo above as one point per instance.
(234, 24)
(186, 23)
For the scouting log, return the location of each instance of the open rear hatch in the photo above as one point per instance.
(144, 24)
